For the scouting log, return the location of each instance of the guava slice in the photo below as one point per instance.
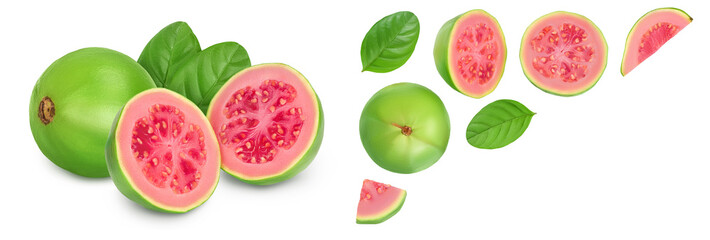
(563, 53)
(162, 152)
(649, 33)
(378, 202)
(470, 53)
(74, 103)
(269, 123)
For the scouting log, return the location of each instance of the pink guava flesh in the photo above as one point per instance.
(477, 53)
(563, 53)
(164, 150)
(378, 200)
(265, 121)
(649, 33)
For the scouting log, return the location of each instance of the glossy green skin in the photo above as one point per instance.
(405, 104)
(88, 87)
(441, 51)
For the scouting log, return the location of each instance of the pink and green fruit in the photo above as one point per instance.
(470, 53)
(563, 53)
(269, 123)
(378, 202)
(74, 103)
(405, 128)
(649, 33)
(162, 152)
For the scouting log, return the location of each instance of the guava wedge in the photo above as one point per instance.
(470, 53)
(649, 33)
(563, 53)
(269, 123)
(378, 202)
(74, 103)
(162, 152)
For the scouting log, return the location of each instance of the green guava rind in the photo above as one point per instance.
(411, 105)
(552, 91)
(88, 87)
(385, 215)
(121, 180)
(634, 30)
(441, 51)
(305, 160)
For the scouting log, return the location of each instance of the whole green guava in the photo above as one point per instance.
(74, 102)
(405, 128)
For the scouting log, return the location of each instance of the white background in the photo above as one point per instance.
(626, 160)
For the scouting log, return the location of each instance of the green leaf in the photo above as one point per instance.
(390, 42)
(498, 124)
(199, 78)
(172, 45)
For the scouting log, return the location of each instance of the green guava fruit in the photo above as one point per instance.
(378, 202)
(162, 152)
(74, 102)
(405, 128)
(563, 53)
(649, 33)
(269, 123)
(470, 53)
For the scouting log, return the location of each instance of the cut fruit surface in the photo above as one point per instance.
(563, 53)
(378, 202)
(470, 53)
(649, 33)
(269, 123)
(162, 152)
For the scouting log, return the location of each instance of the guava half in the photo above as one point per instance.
(563, 53)
(405, 128)
(378, 202)
(269, 122)
(74, 103)
(649, 33)
(162, 152)
(470, 53)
